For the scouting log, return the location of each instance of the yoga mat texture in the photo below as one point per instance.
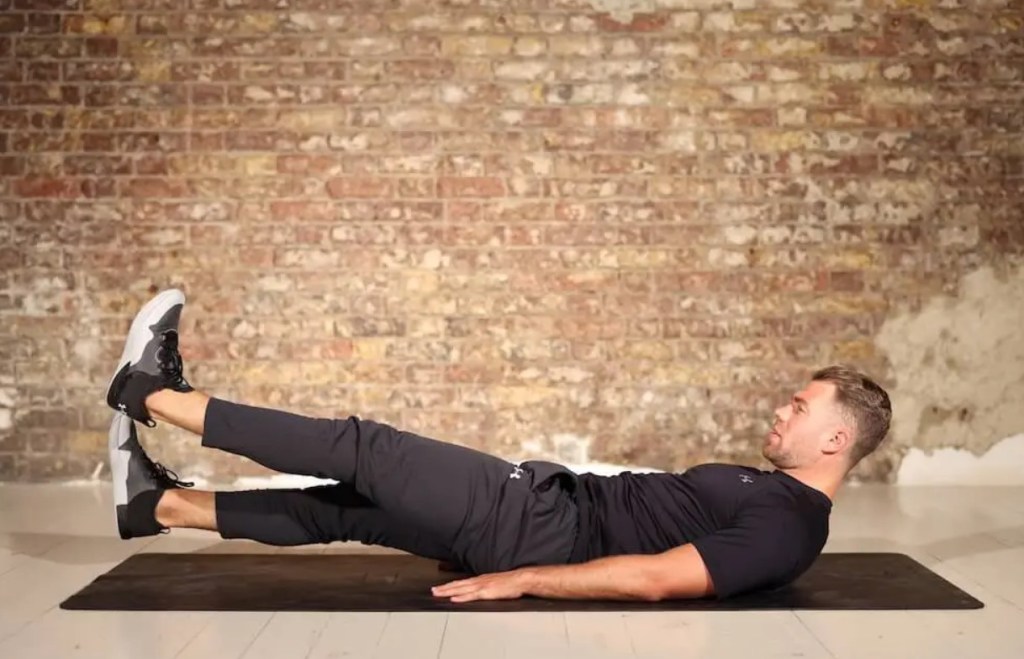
(400, 582)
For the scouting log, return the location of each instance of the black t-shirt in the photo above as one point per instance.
(753, 529)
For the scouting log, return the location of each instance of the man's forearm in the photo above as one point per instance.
(615, 577)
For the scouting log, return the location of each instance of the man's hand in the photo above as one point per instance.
(496, 586)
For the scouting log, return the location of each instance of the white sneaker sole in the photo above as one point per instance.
(139, 334)
(120, 431)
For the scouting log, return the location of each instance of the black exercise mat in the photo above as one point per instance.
(400, 582)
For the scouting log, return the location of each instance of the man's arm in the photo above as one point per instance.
(678, 573)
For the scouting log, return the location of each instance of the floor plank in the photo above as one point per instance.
(104, 635)
(598, 634)
(473, 634)
(226, 634)
(350, 635)
(683, 634)
(288, 634)
(40, 583)
(412, 635)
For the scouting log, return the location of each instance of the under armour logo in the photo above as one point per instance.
(746, 479)
(518, 473)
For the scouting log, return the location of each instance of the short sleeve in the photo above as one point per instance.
(762, 548)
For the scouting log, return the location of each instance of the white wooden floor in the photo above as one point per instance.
(55, 539)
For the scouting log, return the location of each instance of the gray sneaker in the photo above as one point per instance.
(150, 361)
(138, 481)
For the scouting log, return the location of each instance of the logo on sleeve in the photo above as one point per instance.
(746, 479)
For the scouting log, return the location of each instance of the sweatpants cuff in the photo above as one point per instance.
(213, 423)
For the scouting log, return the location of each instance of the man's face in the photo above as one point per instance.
(801, 426)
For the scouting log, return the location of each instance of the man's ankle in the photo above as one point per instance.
(166, 509)
(152, 402)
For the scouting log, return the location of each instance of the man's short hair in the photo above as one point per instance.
(863, 403)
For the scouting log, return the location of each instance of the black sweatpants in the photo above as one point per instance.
(395, 488)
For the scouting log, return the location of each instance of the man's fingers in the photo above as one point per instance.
(455, 588)
(458, 582)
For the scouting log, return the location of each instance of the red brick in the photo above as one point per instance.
(302, 164)
(207, 94)
(243, 140)
(449, 186)
(40, 72)
(415, 187)
(31, 48)
(843, 164)
(11, 23)
(46, 186)
(153, 187)
(852, 281)
(147, 141)
(206, 141)
(640, 22)
(150, 164)
(418, 70)
(11, 166)
(360, 186)
(34, 94)
(205, 71)
(97, 165)
(101, 47)
(40, 23)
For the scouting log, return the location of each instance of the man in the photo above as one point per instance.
(531, 529)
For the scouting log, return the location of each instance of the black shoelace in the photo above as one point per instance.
(169, 360)
(165, 476)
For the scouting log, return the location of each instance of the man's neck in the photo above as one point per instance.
(826, 483)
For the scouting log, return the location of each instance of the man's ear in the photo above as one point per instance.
(840, 439)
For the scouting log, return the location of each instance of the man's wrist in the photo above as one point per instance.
(530, 579)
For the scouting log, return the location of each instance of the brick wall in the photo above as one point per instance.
(629, 228)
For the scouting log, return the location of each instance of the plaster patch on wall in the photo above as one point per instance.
(573, 451)
(624, 10)
(8, 403)
(45, 295)
(959, 364)
(8, 395)
(1001, 465)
